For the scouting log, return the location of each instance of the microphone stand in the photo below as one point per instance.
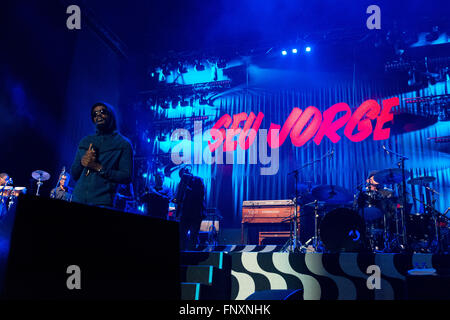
(401, 165)
(294, 241)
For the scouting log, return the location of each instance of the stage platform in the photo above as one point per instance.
(324, 276)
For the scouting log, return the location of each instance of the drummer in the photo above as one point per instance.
(374, 186)
(379, 195)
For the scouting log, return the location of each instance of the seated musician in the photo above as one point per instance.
(4, 194)
(62, 191)
(379, 196)
(157, 198)
(378, 188)
(4, 179)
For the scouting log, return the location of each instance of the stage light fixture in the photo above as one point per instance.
(221, 64)
(182, 68)
(433, 35)
(284, 52)
(165, 104)
(308, 49)
(294, 50)
(199, 66)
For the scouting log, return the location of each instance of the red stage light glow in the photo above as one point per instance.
(301, 126)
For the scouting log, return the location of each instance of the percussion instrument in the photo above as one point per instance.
(342, 229)
(5, 191)
(331, 194)
(389, 176)
(40, 175)
(18, 190)
(421, 180)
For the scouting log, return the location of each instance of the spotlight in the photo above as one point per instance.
(199, 66)
(284, 52)
(182, 68)
(166, 71)
(221, 64)
(308, 49)
(165, 104)
(433, 35)
(294, 50)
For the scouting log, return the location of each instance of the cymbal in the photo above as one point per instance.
(40, 175)
(390, 176)
(331, 194)
(305, 187)
(421, 180)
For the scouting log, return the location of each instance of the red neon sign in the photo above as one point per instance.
(304, 125)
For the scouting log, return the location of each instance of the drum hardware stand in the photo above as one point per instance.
(436, 215)
(401, 165)
(39, 184)
(316, 226)
(359, 204)
(40, 176)
(294, 243)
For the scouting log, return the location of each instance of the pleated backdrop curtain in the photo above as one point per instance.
(228, 185)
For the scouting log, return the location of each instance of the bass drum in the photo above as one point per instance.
(342, 230)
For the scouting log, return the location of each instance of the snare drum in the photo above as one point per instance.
(5, 191)
(18, 191)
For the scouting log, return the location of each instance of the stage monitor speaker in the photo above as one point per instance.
(62, 250)
(293, 294)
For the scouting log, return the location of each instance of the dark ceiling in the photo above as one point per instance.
(160, 26)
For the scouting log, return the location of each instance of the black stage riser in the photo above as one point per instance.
(120, 255)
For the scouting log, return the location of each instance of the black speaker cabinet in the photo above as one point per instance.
(61, 250)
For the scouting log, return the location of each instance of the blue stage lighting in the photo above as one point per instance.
(284, 52)
(294, 50)
(308, 49)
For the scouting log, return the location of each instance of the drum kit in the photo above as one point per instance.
(374, 218)
(9, 193)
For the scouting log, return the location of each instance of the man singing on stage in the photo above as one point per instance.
(103, 160)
